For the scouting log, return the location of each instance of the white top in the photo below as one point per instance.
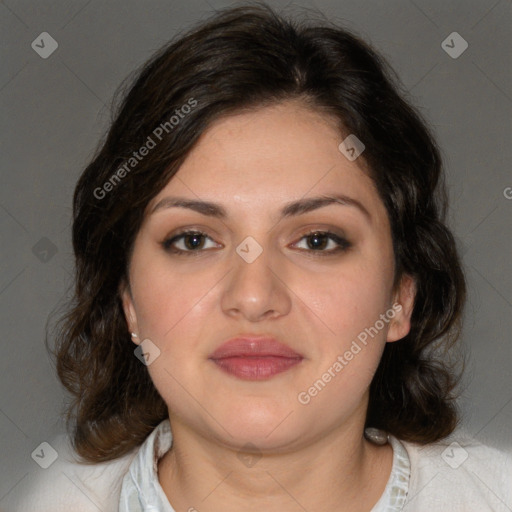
(458, 474)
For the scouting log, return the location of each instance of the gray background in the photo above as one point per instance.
(54, 111)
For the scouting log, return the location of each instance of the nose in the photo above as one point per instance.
(256, 291)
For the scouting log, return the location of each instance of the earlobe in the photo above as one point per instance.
(403, 305)
(129, 311)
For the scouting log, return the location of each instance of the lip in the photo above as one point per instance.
(254, 358)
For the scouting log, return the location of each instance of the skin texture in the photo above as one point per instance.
(312, 456)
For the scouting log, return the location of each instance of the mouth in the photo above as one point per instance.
(253, 358)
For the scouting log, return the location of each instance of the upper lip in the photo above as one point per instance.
(251, 345)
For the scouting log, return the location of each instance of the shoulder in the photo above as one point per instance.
(68, 484)
(459, 474)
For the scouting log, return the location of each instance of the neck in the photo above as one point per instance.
(340, 471)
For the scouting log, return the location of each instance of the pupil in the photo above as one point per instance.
(315, 237)
(196, 237)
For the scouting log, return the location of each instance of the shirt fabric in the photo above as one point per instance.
(458, 474)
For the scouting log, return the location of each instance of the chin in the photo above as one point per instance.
(264, 425)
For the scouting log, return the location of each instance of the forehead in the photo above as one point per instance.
(268, 157)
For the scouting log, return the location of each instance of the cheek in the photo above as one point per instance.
(356, 338)
(345, 360)
(174, 311)
(347, 301)
(166, 293)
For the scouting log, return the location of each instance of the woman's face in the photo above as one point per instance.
(259, 272)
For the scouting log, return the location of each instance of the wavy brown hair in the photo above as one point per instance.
(243, 58)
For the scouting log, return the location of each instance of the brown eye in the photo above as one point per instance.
(187, 242)
(193, 241)
(324, 242)
(318, 240)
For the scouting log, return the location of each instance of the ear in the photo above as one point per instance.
(403, 304)
(129, 310)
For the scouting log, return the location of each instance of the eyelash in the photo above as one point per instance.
(343, 244)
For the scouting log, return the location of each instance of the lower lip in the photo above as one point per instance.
(256, 367)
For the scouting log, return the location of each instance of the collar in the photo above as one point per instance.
(141, 490)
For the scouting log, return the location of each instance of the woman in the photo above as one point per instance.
(266, 290)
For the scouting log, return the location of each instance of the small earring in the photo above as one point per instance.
(376, 436)
(134, 335)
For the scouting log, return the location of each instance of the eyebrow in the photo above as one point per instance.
(291, 209)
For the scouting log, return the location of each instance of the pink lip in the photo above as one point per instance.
(254, 358)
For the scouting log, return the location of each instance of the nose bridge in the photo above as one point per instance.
(254, 288)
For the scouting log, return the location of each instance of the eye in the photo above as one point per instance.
(195, 242)
(324, 242)
(187, 243)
